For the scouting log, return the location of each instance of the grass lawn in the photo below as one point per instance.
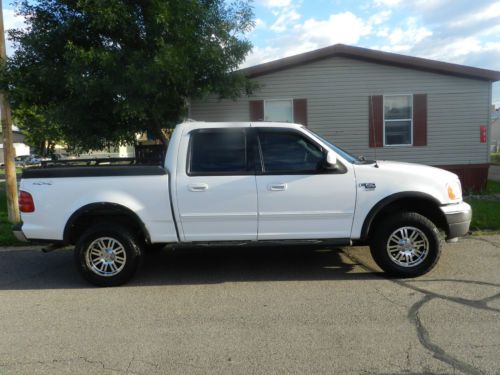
(495, 158)
(6, 236)
(493, 187)
(18, 170)
(485, 214)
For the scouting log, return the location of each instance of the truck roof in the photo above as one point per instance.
(236, 124)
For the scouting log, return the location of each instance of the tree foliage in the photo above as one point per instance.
(39, 129)
(106, 70)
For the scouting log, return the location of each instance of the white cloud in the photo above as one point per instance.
(260, 24)
(312, 34)
(490, 12)
(261, 55)
(380, 17)
(413, 34)
(12, 21)
(343, 27)
(285, 18)
(387, 3)
(275, 3)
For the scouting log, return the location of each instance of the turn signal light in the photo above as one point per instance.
(451, 193)
(26, 203)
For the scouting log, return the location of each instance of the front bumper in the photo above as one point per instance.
(458, 217)
(17, 229)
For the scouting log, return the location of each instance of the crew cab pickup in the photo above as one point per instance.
(245, 183)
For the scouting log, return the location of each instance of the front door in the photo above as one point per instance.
(297, 197)
(216, 189)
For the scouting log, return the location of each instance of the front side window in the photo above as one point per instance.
(220, 151)
(285, 152)
(398, 113)
(278, 110)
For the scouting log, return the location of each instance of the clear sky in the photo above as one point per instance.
(459, 31)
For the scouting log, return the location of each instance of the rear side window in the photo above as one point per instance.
(285, 152)
(220, 151)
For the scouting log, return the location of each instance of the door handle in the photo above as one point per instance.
(198, 187)
(278, 187)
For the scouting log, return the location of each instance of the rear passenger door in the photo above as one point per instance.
(216, 189)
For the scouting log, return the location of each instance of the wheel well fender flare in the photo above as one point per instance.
(102, 208)
(385, 202)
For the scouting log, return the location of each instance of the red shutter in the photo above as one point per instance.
(419, 120)
(256, 110)
(300, 111)
(376, 121)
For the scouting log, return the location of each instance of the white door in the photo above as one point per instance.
(298, 198)
(216, 189)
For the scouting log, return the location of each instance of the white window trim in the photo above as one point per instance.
(401, 119)
(279, 100)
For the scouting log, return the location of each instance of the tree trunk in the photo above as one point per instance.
(43, 149)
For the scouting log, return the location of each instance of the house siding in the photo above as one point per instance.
(337, 89)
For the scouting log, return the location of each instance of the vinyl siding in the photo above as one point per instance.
(337, 91)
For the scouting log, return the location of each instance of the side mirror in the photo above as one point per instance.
(331, 160)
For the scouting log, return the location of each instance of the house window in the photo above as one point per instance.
(398, 114)
(278, 110)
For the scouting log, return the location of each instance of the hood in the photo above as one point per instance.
(393, 177)
(437, 174)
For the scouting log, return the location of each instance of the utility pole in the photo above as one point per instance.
(8, 144)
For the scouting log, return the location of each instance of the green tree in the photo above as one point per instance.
(40, 131)
(109, 69)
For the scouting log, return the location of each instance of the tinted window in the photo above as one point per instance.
(288, 152)
(218, 151)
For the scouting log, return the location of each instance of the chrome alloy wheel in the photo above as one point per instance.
(106, 256)
(408, 246)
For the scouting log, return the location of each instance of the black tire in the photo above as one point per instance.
(383, 231)
(128, 249)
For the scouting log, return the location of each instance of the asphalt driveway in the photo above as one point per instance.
(253, 311)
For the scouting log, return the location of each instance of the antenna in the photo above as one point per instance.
(374, 136)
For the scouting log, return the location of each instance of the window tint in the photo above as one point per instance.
(218, 152)
(288, 152)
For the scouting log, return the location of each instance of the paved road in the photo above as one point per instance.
(494, 172)
(253, 311)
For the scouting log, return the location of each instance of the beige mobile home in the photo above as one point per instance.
(375, 103)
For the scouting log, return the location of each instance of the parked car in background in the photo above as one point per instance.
(22, 161)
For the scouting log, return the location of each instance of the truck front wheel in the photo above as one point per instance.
(107, 254)
(406, 245)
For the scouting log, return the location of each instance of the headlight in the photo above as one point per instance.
(454, 190)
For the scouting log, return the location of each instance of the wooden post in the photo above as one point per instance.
(8, 144)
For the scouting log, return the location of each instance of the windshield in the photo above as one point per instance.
(345, 155)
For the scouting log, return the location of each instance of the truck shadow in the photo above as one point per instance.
(30, 269)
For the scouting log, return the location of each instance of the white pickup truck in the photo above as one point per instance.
(244, 183)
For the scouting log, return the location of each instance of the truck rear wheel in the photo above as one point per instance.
(406, 245)
(107, 254)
